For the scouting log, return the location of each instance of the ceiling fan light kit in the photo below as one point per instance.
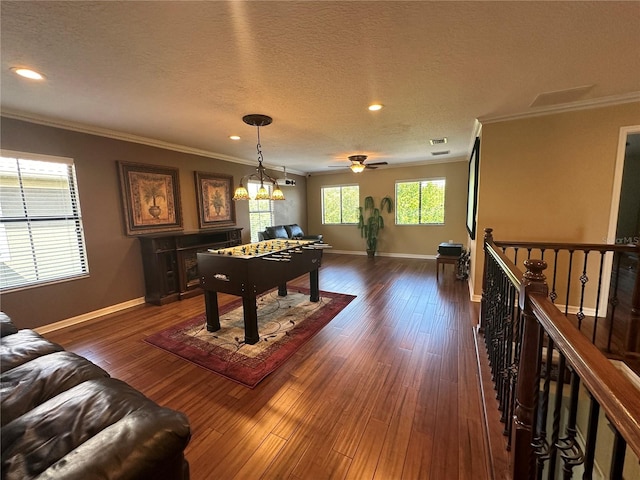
(358, 165)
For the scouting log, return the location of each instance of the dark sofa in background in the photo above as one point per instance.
(292, 231)
(64, 417)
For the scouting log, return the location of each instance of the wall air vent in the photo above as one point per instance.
(438, 141)
(441, 152)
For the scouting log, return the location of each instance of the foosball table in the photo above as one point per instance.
(251, 269)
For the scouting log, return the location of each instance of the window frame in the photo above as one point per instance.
(270, 211)
(322, 209)
(80, 256)
(420, 181)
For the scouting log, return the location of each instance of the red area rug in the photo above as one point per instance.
(284, 324)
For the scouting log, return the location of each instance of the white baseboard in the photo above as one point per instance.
(85, 317)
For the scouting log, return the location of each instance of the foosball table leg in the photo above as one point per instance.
(315, 286)
(251, 335)
(211, 307)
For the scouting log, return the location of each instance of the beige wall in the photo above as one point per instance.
(549, 178)
(115, 263)
(395, 239)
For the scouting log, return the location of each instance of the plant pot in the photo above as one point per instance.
(371, 253)
(154, 211)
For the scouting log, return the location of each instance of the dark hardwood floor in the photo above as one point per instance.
(389, 389)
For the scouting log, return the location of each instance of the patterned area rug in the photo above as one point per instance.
(284, 324)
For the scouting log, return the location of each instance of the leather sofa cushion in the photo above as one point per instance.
(277, 232)
(102, 426)
(23, 346)
(6, 325)
(294, 231)
(32, 383)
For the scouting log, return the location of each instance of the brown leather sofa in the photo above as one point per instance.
(64, 417)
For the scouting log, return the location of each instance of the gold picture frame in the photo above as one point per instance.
(150, 198)
(214, 198)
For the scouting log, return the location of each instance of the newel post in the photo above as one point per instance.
(522, 454)
(488, 237)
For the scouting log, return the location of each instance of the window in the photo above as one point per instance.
(420, 202)
(260, 211)
(340, 204)
(41, 235)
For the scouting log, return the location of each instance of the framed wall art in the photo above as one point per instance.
(150, 197)
(214, 198)
(472, 192)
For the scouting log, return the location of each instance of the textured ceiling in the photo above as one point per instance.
(184, 73)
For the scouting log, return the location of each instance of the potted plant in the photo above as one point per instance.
(151, 191)
(371, 225)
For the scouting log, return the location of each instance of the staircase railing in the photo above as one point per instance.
(535, 351)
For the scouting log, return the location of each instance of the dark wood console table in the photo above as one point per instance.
(170, 261)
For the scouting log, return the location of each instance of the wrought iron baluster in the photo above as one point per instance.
(617, 457)
(508, 365)
(553, 295)
(515, 364)
(557, 411)
(592, 434)
(570, 450)
(597, 313)
(583, 280)
(566, 306)
(500, 343)
(540, 442)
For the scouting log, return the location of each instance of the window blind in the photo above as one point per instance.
(41, 233)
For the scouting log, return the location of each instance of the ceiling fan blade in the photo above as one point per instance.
(370, 167)
(377, 163)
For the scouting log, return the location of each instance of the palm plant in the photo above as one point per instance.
(374, 222)
(150, 191)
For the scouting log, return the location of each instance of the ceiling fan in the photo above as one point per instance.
(358, 165)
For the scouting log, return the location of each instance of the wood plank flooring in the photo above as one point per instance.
(389, 389)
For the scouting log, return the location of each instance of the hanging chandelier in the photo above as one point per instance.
(261, 175)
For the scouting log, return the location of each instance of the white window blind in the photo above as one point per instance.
(41, 235)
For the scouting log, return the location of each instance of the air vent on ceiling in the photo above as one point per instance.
(438, 141)
(441, 152)
(560, 97)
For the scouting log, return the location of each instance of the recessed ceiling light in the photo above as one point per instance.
(234, 137)
(375, 107)
(438, 141)
(28, 73)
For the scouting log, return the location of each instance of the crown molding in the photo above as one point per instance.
(565, 107)
(126, 137)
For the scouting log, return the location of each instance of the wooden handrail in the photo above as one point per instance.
(614, 392)
(599, 247)
(508, 267)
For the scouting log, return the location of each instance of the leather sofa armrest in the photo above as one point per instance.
(33, 383)
(6, 325)
(102, 428)
(23, 346)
